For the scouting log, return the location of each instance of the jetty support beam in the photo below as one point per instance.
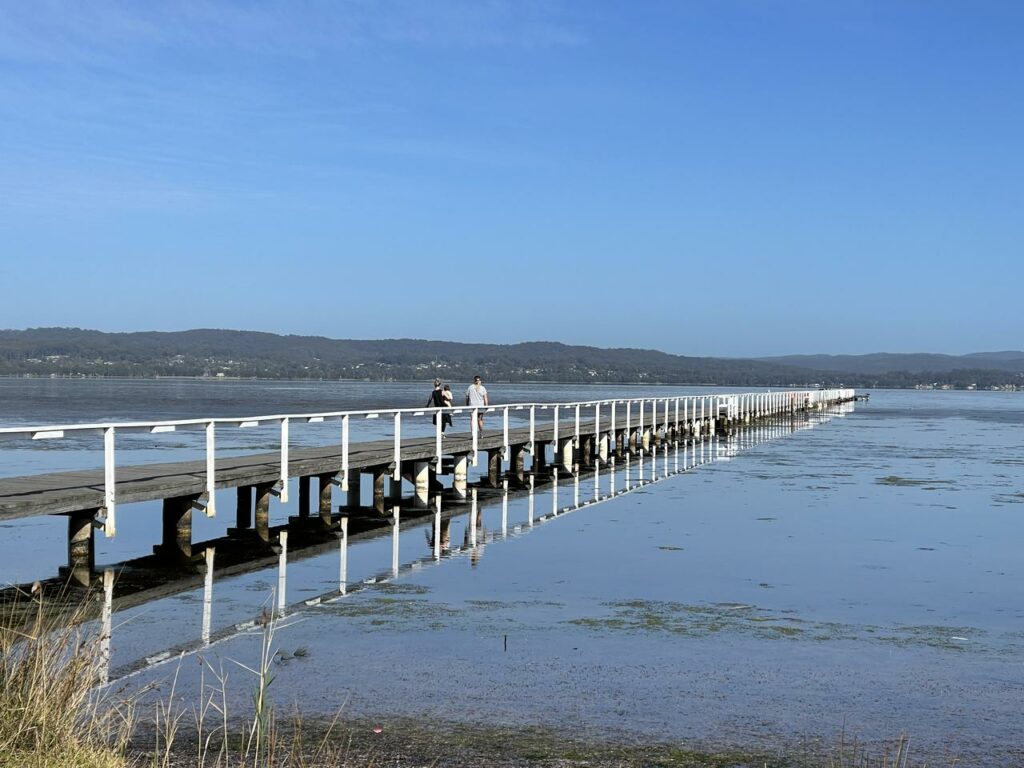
(305, 481)
(460, 473)
(243, 510)
(262, 511)
(421, 478)
(352, 499)
(565, 453)
(494, 467)
(81, 547)
(176, 544)
(325, 484)
(517, 462)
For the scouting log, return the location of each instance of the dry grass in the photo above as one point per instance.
(258, 741)
(51, 713)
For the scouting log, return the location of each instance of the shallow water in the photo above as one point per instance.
(864, 574)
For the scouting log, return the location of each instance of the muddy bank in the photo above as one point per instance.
(440, 744)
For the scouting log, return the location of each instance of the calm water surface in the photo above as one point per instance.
(865, 573)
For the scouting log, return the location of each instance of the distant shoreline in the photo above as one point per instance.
(606, 384)
(81, 377)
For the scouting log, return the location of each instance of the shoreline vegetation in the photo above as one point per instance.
(54, 713)
(78, 353)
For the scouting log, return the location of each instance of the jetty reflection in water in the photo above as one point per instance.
(433, 537)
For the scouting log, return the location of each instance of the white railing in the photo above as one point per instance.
(654, 412)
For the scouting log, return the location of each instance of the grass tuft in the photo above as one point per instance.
(51, 712)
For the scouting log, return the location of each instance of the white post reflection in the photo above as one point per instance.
(437, 527)
(394, 540)
(343, 561)
(472, 519)
(282, 572)
(504, 508)
(208, 556)
(106, 625)
(554, 495)
(611, 476)
(529, 504)
(576, 487)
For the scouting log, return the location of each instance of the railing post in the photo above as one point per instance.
(211, 470)
(438, 422)
(109, 484)
(533, 430)
(576, 433)
(397, 474)
(344, 453)
(640, 428)
(629, 425)
(474, 429)
(614, 435)
(504, 433)
(284, 459)
(555, 438)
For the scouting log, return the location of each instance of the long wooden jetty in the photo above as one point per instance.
(548, 496)
(554, 437)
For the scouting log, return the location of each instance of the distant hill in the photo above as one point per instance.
(252, 354)
(880, 363)
(73, 351)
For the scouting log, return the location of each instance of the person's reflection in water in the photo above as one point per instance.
(446, 536)
(475, 553)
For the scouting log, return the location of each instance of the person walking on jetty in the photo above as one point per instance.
(436, 400)
(446, 418)
(476, 397)
(447, 400)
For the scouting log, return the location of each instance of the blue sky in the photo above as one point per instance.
(730, 177)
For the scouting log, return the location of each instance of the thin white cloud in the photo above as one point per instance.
(99, 33)
(119, 105)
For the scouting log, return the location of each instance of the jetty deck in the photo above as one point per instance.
(67, 492)
(558, 438)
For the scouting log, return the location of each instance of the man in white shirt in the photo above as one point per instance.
(476, 397)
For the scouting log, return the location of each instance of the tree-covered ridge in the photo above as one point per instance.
(205, 352)
(918, 362)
